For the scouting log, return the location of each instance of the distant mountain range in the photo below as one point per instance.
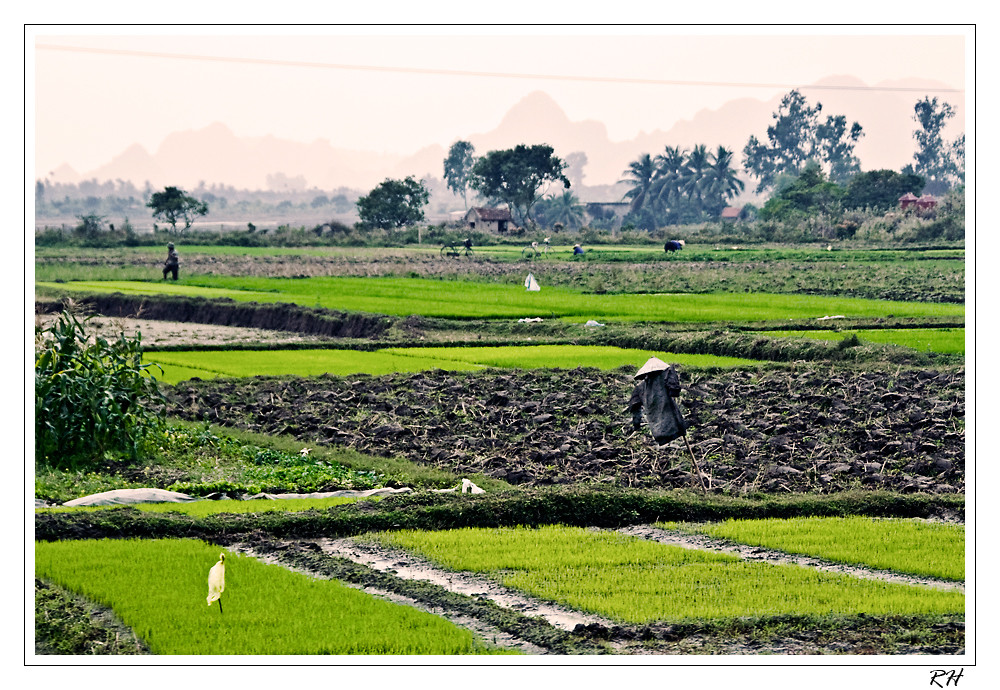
(215, 155)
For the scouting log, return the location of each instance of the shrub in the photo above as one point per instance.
(91, 396)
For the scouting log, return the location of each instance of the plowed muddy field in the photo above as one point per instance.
(820, 428)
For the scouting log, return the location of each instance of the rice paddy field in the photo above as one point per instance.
(946, 340)
(181, 365)
(935, 550)
(638, 581)
(466, 300)
(824, 392)
(268, 609)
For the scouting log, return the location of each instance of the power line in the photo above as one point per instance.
(501, 75)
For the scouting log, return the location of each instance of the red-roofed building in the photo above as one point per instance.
(926, 201)
(495, 219)
(731, 213)
(907, 200)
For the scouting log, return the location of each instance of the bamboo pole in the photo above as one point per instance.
(695, 464)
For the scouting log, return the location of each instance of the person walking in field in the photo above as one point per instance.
(172, 264)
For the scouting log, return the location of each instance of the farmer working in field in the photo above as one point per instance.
(656, 392)
(172, 264)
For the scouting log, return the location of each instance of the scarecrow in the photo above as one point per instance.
(656, 394)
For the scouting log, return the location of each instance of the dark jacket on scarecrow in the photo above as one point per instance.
(656, 393)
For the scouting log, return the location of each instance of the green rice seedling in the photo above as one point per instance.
(944, 340)
(566, 356)
(181, 364)
(907, 546)
(159, 588)
(473, 300)
(639, 581)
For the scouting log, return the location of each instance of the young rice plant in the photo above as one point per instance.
(907, 546)
(639, 581)
(158, 588)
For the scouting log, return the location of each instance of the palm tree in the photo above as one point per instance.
(565, 209)
(723, 184)
(665, 193)
(639, 174)
(695, 176)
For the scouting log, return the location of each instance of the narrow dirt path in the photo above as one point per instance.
(757, 553)
(488, 633)
(412, 567)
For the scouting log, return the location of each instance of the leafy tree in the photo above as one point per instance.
(836, 146)
(937, 162)
(958, 155)
(810, 193)
(394, 204)
(880, 190)
(90, 226)
(515, 176)
(797, 137)
(174, 204)
(458, 167)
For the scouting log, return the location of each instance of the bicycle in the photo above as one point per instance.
(450, 250)
(531, 251)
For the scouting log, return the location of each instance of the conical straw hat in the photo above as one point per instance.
(651, 365)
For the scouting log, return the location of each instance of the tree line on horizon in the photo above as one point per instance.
(804, 158)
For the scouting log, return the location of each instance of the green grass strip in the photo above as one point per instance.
(944, 340)
(907, 546)
(158, 588)
(209, 507)
(181, 365)
(639, 581)
(470, 300)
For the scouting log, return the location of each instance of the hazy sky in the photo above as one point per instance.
(424, 86)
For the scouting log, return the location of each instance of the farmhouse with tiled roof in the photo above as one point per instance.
(495, 219)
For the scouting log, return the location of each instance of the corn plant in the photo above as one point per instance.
(91, 396)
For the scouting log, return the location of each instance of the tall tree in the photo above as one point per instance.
(796, 137)
(879, 190)
(935, 160)
(694, 179)
(564, 209)
(516, 176)
(836, 146)
(457, 167)
(722, 184)
(666, 192)
(809, 193)
(394, 204)
(174, 204)
(639, 174)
